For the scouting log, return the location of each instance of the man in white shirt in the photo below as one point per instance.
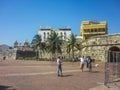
(59, 63)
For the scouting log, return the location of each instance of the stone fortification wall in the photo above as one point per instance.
(97, 46)
(8, 54)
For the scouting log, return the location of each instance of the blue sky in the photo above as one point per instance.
(21, 19)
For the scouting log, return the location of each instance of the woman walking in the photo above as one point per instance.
(82, 62)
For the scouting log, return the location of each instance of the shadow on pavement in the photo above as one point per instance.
(66, 75)
(2, 87)
(95, 72)
(92, 71)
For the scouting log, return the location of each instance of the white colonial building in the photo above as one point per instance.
(63, 32)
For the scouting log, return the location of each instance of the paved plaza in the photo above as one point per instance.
(39, 75)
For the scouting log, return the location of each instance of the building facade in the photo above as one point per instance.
(90, 29)
(63, 32)
(19, 46)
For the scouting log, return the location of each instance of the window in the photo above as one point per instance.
(61, 34)
(64, 33)
(64, 37)
(47, 33)
(84, 30)
(44, 38)
(95, 30)
(99, 30)
(44, 33)
(92, 30)
(103, 29)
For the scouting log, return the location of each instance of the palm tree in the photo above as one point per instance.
(36, 41)
(67, 47)
(37, 44)
(78, 46)
(53, 44)
(71, 44)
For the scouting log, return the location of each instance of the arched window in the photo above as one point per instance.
(44, 33)
(47, 33)
(61, 33)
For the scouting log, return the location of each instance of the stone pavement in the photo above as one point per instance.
(103, 87)
(39, 75)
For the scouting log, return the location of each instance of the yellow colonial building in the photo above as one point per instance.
(90, 29)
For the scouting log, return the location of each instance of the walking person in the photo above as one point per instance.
(86, 61)
(82, 62)
(4, 57)
(89, 61)
(59, 69)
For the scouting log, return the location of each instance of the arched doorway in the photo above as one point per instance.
(114, 48)
(113, 55)
(112, 66)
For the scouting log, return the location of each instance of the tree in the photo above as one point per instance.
(36, 41)
(53, 44)
(37, 44)
(78, 45)
(71, 44)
